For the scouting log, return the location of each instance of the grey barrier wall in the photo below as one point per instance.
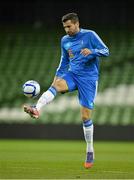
(60, 131)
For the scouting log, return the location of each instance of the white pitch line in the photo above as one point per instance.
(117, 172)
(23, 168)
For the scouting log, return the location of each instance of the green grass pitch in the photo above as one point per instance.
(43, 159)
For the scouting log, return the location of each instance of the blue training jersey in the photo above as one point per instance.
(74, 61)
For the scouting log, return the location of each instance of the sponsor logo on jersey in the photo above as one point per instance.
(71, 55)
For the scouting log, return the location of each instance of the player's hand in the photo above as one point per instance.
(85, 52)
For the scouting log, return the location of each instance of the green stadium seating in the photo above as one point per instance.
(34, 54)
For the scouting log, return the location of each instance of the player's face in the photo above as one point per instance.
(70, 27)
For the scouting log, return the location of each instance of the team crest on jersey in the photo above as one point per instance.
(71, 55)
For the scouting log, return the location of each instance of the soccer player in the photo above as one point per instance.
(78, 70)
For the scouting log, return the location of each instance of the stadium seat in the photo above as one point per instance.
(31, 54)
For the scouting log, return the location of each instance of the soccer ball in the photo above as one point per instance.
(31, 88)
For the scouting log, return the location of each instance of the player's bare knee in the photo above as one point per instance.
(59, 85)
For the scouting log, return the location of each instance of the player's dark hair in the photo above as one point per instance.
(70, 16)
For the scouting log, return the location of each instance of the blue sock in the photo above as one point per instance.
(87, 123)
(53, 90)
